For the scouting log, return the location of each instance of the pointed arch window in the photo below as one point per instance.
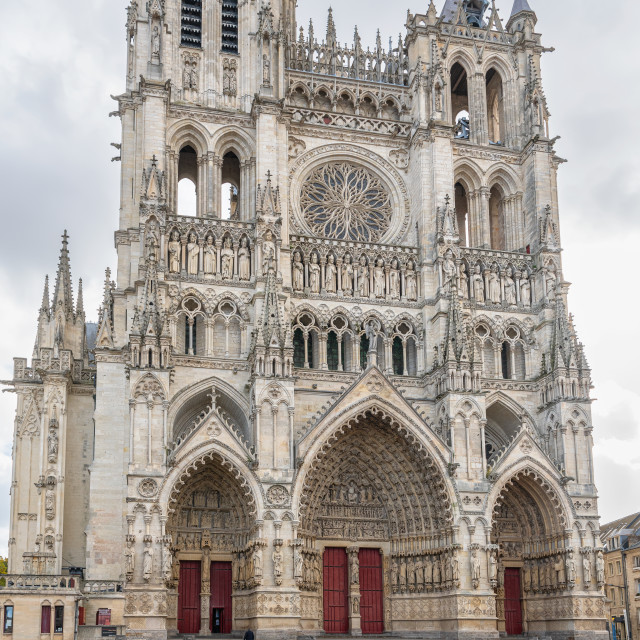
(191, 21)
(230, 26)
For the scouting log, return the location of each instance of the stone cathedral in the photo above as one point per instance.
(334, 387)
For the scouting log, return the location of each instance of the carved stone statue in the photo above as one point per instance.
(257, 562)
(448, 270)
(395, 573)
(129, 559)
(403, 573)
(347, 276)
(494, 286)
(298, 272)
(462, 129)
(571, 569)
(437, 578)
(477, 283)
(372, 335)
(394, 281)
(167, 561)
(586, 568)
(227, 259)
(363, 278)
(509, 288)
(411, 282)
(277, 562)
(266, 70)
(52, 442)
(174, 253)
(475, 568)
(268, 253)
(525, 289)
(378, 279)
(50, 504)
(244, 261)
(463, 288)
(561, 571)
(551, 281)
(193, 255)
(330, 275)
(493, 567)
(298, 564)
(314, 274)
(209, 256)
(455, 567)
(147, 561)
(600, 568)
(355, 568)
(155, 42)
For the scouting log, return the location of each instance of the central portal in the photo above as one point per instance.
(336, 591)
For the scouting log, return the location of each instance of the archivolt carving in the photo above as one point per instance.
(147, 386)
(372, 479)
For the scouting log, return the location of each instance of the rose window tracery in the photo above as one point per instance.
(342, 201)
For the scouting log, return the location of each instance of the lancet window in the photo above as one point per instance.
(190, 338)
(460, 101)
(191, 22)
(495, 107)
(188, 182)
(230, 26)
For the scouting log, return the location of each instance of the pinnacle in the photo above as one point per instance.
(63, 294)
(80, 305)
(519, 6)
(45, 307)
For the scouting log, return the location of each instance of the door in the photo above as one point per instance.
(335, 591)
(189, 597)
(221, 607)
(512, 602)
(371, 613)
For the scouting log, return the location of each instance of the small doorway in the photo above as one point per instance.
(512, 602)
(221, 607)
(371, 612)
(336, 591)
(189, 597)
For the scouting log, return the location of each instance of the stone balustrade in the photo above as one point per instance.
(39, 583)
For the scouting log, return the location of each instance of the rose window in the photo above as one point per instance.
(345, 202)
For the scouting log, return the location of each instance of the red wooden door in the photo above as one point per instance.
(512, 602)
(189, 597)
(221, 595)
(336, 591)
(371, 613)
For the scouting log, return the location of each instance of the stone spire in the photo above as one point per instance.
(105, 315)
(80, 304)
(63, 294)
(331, 29)
(45, 306)
(519, 6)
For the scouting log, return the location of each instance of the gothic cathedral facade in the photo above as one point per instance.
(344, 395)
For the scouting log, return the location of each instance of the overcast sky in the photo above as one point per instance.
(60, 60)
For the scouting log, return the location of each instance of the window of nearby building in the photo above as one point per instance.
(611, 568)
(59, 619)
(636, 562)
(613, 596)
(45, 619)
(619, 567)
(8, 619)
(637, 587)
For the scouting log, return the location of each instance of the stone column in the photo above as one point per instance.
(205, 594)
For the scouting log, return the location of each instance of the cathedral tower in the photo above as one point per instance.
(337, 386)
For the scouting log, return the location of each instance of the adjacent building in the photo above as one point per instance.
(341, 394)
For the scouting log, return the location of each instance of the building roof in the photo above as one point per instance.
(520, 5)
(449, 11)
(629, 523)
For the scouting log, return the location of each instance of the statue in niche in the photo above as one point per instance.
(50, 504)
(477, 284)
(475, 568)
(463, 289)
(151, 241)
(600, 568)
(428, 571)
(551, 280)
(411, 282)
(438, 97)
(494, 285)
(436, 572)
(186, 76)
(257, 562)
(395, 573)
(174, 253)
(244, 261)
(147, 568)
(526, 576)
(268, 254)
(298, 272)
(227, 259)
(394, 280)
(52, 441)
(347, 276)
(493, 567)
(130, 558)
(411, 573)
(509, 288)
(314, 274)
(155, 42)
(535, 576)
(403, 573)
(242, 568)
(525, 289)
(419, 571)
(298, 564)
(266, 70)
(586, 566)
(167, 561)
(330, 275)
(277, 562)
(561, 571)
(355, 568)
(571, 568)
(378, 279)
(455, 567)
(372, 335)
(193, 255)
(209, 256)
(194, 76)
(448, 270)
(363, 278)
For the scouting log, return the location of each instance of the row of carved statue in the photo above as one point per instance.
(368, 278)
(557, 572)
(148, 558)
(247, 566)
(491, 285)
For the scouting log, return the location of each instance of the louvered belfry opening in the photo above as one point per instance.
(191, 23)
(230, 26)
